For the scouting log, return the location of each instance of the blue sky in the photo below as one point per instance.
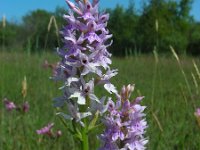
(15, 9)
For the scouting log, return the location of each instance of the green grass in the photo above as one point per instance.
(170, 106)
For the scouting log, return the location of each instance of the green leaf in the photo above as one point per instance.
(78, 135)
(65, 124)
(93, 122)
(98, 126)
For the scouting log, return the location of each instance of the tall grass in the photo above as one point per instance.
(3, 31)
(52, 23)
(184, 74)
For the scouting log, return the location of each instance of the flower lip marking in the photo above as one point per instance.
(84, 61)
(86, 90)
(88, 7)
(103, 18)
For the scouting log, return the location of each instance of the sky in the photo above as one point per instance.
(15, 9)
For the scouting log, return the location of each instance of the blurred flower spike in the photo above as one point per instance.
(125, 123)
(9, 104)
(197, 115)
(47, 130)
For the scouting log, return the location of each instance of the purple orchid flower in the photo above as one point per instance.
(84, 53)
(125, 125)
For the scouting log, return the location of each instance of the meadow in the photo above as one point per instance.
(171, 90)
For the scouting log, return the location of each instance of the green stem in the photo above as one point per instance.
(85, 143)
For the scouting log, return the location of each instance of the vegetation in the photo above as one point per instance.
(170, 113)
(159, 23)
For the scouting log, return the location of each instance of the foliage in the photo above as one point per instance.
(194, 40)
(159, 23)
(9, 34)
(122, 25)
(172, 28)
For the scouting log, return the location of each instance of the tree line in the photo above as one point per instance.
(158, 24)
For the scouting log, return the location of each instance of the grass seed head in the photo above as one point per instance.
(4, 21)
(174, 53)
(24, 87)
(196, 68)
(156, 25)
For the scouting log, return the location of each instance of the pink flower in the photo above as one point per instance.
(9, 104)
(46, 129)
(197, 113)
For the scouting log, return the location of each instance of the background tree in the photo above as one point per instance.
(159, 24)
(166, 15)
(194, 39)
(122, 25)
(9, 35)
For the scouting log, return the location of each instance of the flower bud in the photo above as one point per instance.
(25, 107)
